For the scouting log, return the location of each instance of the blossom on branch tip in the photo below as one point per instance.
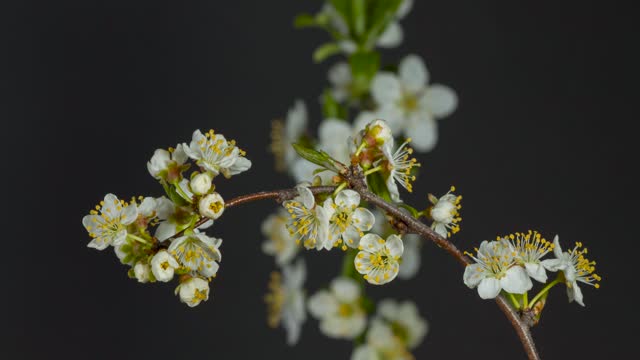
(211, 206)
(445, 213)
(163, 266)
(197, 253)
(413, 102)
(339, 310)
(347, 221)
(309, 223)
(107, 224)
(193, 291)
(575, 267)
(168, 165)
(279, 242)
(378, 259)
(141, 271)
(495, 269)
(286, 300)
(216, 154)
(201, 183)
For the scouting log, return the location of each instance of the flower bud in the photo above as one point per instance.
(193, 291)
(378, 133)
(163, 266)
(443, 211)
(141, 271)
(211, 206)
(201, 183)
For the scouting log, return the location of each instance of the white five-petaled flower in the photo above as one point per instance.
(211, 206)
(495, 270)
(530, 248)
(412, 102)
(167, 164)
(107, 224)
(216, 154)
(279, 242)
(309, 224)
(283, 135)
(347, 221)
(397, 167)
(197, 252)
(193, 291)
(163, 266)
(411, 257)
(575, 267)
(445, 213)
(286, 300)
(405, 321)
(339, 310)
(141, 271)
(378, 259)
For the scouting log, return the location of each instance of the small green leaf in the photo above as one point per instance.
(173, 195)
(378, 186)
(304, 21)
(414, 212)
(343, 7)
(324, 51)
(331, 108)
(318, 157)
(359, 16)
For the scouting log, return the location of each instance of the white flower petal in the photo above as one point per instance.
(363, 219)
(557, 250)
(395, 246)
(404, 9)
(473, 274)
(575, 293)
(391, 37)
(371, 243)
(322, 304)
(347, 198)
(345, 289)
(308, 200)
(489, 288)
(536, 271)
(423, 130)
(413, 74)
(440, 100)
(516, 281)
(386, 88)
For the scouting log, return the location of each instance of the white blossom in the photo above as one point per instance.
(347, 221)
(309, 224)
(415, 104)
(385, 342)
(405, 320)
(445, 213)
(575, 267)
(279, 242)
(530, 248)
(167, 165)
(411, 257)
(286, 300)
(365, 352)
(193, 291)
(378, 259)
(338, 309)
(216, 154)
(107, 224)
(141, 271)
(163, 266)
(200, 184)
(197, 252)
(211, 206)
(397, 168)
(341, 80)
(495, 270)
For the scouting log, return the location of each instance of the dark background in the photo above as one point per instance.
(542, 139)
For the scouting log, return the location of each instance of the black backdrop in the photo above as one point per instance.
(541, 140)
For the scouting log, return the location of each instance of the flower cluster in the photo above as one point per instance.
(511, 262)
(161, 237)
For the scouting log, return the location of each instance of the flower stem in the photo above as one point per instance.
(362, 145)
(525, 300)
(340, 187)
(371, 171)
(514, 301)
(544, 291)
(137, 238)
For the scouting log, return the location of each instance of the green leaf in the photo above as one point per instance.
(381, 14)
(343, 7)
(364, 66)
(414, 212)
(324, 51)
(173, 195)
(378, 186)
(318, 157)
(304, 21)
(359, 17)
